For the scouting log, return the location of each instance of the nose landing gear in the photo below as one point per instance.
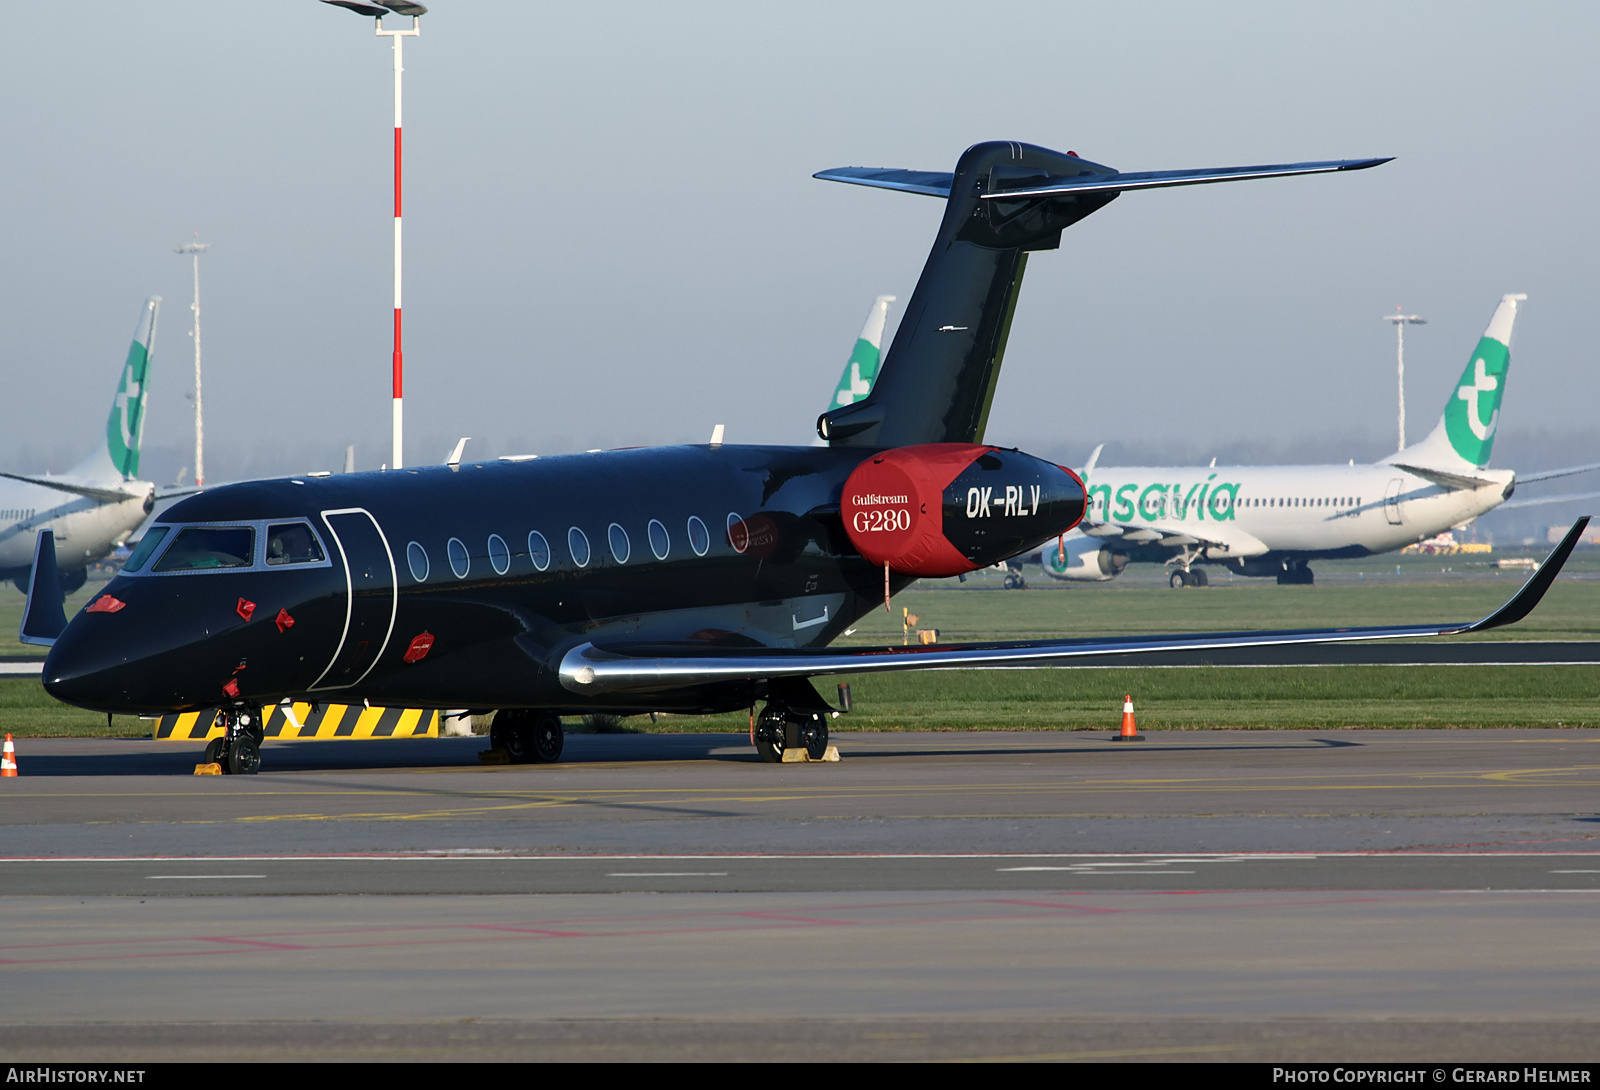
(238, 751)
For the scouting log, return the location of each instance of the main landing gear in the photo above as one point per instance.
(529, 736)
(238, 751)
(1296, 573)
(1190, 577)
(781, 727)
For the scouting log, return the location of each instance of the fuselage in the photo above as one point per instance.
(1304, 511)
(461, 587)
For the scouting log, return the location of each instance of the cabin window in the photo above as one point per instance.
(417, 561)
(699, 536)
(659, 542)
(738, 533)
(460, 562)
(499, 554)
(579, 546)
(538, 550)
(147, 545)
(292, 543)
(621, 547)
(205, 547)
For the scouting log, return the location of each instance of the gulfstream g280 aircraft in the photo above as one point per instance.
(91, 509)
(699, 578)
(1274, 520)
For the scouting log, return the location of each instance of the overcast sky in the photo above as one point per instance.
(613, 236)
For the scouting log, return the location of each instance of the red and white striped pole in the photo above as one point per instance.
(398, 363)
(399, 354)
(377, 11)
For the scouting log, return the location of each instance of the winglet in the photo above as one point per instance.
(44, 617)
(1522, 603)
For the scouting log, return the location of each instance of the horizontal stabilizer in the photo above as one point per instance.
(1100, 180)
(44, 617)
(1162, 179)
(104, 495)
(1460, 482)
(930, 183)
(592, 670)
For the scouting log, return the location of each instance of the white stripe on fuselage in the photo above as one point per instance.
(1289, 508)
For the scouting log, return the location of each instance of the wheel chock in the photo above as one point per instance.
(798, 755)
(211, 769)
(493, 757)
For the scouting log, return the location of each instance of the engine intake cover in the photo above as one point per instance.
(943, 509)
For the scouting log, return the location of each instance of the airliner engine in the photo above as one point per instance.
(944, 509)
(1085, 559)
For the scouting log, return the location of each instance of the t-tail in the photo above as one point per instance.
(117, 459)
(1464, 437)
(1003, 201)
(862, 369)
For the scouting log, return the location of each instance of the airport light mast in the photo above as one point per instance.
(1400, 322)
(377, 12)
(195, 249)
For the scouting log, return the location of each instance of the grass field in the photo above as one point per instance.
(1349, 593)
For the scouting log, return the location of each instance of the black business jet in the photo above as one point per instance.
(682, 579)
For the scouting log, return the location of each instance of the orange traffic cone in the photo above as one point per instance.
(1130, 733)
(8, 759)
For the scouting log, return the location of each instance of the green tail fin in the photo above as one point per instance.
(862, 370)
(125, 425)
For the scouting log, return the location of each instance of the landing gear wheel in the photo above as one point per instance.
(1197, 578)
(511, 732)
(1177, 580)
(1013, 581)
(244, 757)
(770, 735)
(545, 738)
(814, 736)
(217, 754)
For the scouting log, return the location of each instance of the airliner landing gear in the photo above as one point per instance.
(528, 736)
(1296, 573)
(238, 751)
(1191, 577)
(781, 728)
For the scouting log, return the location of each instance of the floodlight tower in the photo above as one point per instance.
(1400, 322)
(195, 249)
(377, 12)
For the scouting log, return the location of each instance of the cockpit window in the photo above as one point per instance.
(292, 543)
(203, 547)
(147, 546)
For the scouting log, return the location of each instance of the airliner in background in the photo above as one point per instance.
(1275, 520)
(92, 509)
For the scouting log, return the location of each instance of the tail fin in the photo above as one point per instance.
(862, 369)
(1464, 436)
(1003, 200)
(118, 458)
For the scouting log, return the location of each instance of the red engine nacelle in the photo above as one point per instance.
(948, 508)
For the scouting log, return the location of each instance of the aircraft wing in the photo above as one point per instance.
(1224, 539)
(1552, 474)
(597, 669)
(104, 495)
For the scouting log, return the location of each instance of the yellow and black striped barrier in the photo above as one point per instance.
(311, 721)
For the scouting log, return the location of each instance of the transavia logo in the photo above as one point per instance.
(863, 371)
(1208, 499)
(122, 429)
(1471, 417)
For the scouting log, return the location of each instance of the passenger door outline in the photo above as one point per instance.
(328, 518)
